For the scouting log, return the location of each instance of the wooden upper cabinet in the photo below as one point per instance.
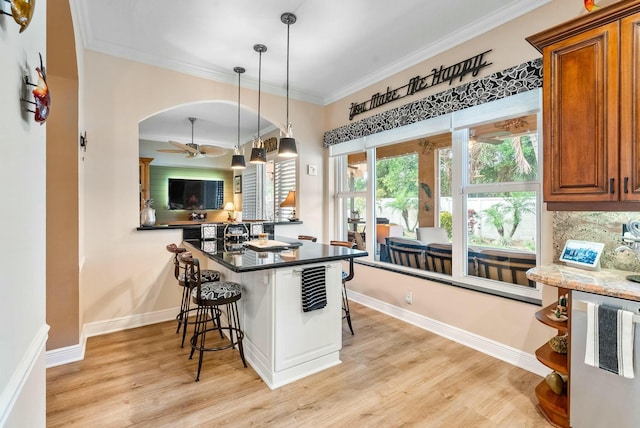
(580, 117)
(591, 102)
(630, 108)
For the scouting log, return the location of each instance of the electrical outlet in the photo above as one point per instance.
(312, 170)
(409, 297)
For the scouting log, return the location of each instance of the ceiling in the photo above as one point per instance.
(337, 47)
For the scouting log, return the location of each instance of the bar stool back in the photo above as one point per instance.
(208, 275)
(210, 296)
(307, 238)
(346, 277)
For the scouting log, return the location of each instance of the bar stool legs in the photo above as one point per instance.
(199, 339)
(345, 306)
(188, 282)
(183, 315)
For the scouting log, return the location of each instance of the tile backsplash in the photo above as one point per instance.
(597, 226)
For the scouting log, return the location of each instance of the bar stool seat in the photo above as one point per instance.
(207, 275)
(211, 297)
(215, 291)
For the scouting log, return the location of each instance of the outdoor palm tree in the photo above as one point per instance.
(512, 211)
(517, 206)
(403, 202)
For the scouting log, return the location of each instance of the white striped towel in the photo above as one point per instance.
(314, 291)
(610, 339)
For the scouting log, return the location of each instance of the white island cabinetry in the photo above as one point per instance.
(283, 343)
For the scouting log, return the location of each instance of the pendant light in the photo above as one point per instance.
(287, 147)
(258, 152)
(237, 160)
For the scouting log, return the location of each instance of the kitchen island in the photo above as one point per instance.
(282, 342)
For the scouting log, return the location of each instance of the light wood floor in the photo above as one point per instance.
(392, 374)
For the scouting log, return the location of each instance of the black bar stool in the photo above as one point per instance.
(209, 296)
(346, 277)
(207, 275)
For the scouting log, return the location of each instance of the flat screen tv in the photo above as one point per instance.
(186, 194)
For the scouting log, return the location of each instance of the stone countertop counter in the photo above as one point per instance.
(239, 258)
(606, 282)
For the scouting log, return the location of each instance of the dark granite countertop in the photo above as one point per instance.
(197, 224)
(239, 258)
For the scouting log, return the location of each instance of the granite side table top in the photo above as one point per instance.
(606, 282)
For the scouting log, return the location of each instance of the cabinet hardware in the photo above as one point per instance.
(626, 185)
(611, 181)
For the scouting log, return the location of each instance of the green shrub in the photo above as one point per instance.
(446, 222)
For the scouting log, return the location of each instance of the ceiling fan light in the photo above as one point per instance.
(238, 162)
(287, 147)
(258, 155)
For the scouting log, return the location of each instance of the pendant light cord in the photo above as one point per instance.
(238, 144)
(259, 82)
(287, 124)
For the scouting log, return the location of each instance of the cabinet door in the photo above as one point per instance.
(630, 108)
(581, 117)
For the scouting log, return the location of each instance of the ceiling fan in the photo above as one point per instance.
(507, 129)
(193, 150)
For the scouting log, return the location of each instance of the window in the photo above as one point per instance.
(264, 187)
(500, 196)
(251, 188)
(352, 198)
(397, 187)
(284, 181)
(466, 201)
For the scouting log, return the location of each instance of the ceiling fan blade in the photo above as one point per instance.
(184, 147)
(212, 151)
(170, 151)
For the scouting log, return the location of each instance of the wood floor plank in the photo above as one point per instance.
(392, 374)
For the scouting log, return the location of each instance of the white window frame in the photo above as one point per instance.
(457, 123)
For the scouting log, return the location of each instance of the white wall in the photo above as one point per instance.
(23, 331)
(126, 272)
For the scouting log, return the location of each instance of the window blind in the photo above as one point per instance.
(285, 180)
(249, 193)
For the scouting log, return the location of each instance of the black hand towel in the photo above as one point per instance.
(314, 291)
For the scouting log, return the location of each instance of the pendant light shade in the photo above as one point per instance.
(237, 160)
(258, 152)
(258, 155)
(287, 147)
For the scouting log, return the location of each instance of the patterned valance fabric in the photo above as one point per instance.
(511, 81)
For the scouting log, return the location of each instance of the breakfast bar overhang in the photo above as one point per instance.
(283, 343)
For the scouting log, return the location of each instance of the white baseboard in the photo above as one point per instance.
(70, 354)
(131, 321)
(490, 347)
(21, 374)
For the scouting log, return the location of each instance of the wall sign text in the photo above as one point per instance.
(440, 75)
